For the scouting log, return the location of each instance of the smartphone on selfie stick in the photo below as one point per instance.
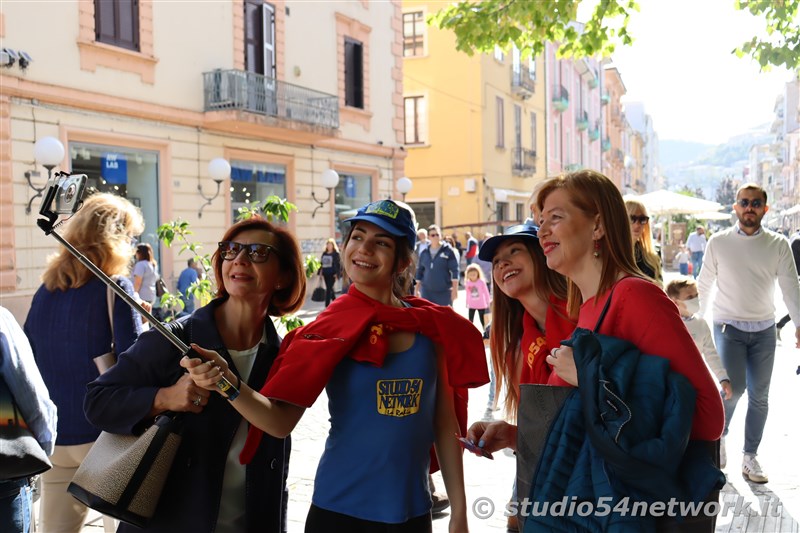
(64, 196)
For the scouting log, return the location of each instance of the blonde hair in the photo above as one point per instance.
(102, 231)
(475, 268)
(649, 255)
(333, 242)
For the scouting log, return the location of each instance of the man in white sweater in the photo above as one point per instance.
(745, 261)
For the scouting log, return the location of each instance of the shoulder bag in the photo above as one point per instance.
(122, 476)
(21, 456)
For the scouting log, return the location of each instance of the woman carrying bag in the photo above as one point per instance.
(260, 273)
(68, 326)
(330, 269)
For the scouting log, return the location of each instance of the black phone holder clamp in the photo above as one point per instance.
(67, 196)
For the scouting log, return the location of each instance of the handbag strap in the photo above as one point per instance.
(110, 305)
(605, 309)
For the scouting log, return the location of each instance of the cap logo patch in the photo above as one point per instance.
(387, 209)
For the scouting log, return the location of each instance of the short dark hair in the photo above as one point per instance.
(288, 298)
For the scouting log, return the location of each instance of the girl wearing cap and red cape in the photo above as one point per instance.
(395, 369)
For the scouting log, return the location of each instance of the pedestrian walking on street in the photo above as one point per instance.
(478, 297)
(696, 244)
(331, 269)
(438, 270)
(682, 258)
(259, 273)
(188, 276)
(744, 262)
(585, 235)
(392, 366)
(68, 325)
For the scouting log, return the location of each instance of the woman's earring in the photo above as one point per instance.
(596, 249)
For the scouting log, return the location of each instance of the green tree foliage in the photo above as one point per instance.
(529, 24)
(726, 193)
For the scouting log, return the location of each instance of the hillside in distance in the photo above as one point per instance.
(702, 166)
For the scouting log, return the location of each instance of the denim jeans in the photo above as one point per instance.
(697, 262)
(15, 506)
(748, 359)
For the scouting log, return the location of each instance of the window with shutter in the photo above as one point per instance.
(117, 23)
(353, 73)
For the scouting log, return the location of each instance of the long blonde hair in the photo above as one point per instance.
(649, 255)
(102, 231)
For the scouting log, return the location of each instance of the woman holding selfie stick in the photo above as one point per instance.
(259, 273)
(68, 325)
(392, 365)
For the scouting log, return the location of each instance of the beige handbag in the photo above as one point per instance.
(122, 476)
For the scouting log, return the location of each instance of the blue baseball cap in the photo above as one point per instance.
(525, 231)
(389, 216)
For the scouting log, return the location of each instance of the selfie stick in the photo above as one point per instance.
(47, 226)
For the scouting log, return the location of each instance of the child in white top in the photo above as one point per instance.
(683, 291)
(478, 298)
(682, 258)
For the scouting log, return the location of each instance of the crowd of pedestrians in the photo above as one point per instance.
(575, 300)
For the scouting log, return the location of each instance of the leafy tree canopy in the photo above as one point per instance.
(529, 24)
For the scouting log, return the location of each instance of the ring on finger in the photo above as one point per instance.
(197, 400)
(554, 353)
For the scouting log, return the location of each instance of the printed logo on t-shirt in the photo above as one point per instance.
(399, 397)
(473, 292)
(534, 349)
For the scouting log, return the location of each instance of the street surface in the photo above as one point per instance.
(770, 508)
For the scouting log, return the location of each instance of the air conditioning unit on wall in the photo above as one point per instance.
(470, 185)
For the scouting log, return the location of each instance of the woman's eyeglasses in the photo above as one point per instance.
(640, 219)
(257, 252)
(755, 204)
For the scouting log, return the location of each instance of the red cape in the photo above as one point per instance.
(357, 326)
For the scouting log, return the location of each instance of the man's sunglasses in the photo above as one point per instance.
(640, 219)
(257, 252)
(755, 204)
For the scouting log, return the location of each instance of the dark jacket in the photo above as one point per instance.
(120, 400)
(437, 272)
(67, 329)
(335, 268)
(623, 433)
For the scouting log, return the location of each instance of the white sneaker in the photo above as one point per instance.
(752, 470)
(723, 456)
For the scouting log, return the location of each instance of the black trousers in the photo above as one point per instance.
(481, 313)
(324, 521)
(330, 294)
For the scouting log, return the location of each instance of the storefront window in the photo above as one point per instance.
(353, 191)
(127, 172)
(253, 182)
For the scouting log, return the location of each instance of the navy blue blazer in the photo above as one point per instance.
(120, 400)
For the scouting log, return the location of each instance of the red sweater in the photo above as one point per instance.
(640, 312)
(536, 345)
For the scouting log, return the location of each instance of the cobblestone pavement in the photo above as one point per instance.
(773, 507)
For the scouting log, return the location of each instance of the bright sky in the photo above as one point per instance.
(681, 66)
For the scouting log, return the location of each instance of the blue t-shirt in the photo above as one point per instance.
(376, 459)
(187, 277)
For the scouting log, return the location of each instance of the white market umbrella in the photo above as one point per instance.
(668, 203)
(713, 215)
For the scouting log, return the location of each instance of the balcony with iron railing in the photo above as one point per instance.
(523, 82)
(582, 121)
(560, 98)
(606, 144)
(524, 161)
(604, 98)
(594, 132)
(239, 90)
